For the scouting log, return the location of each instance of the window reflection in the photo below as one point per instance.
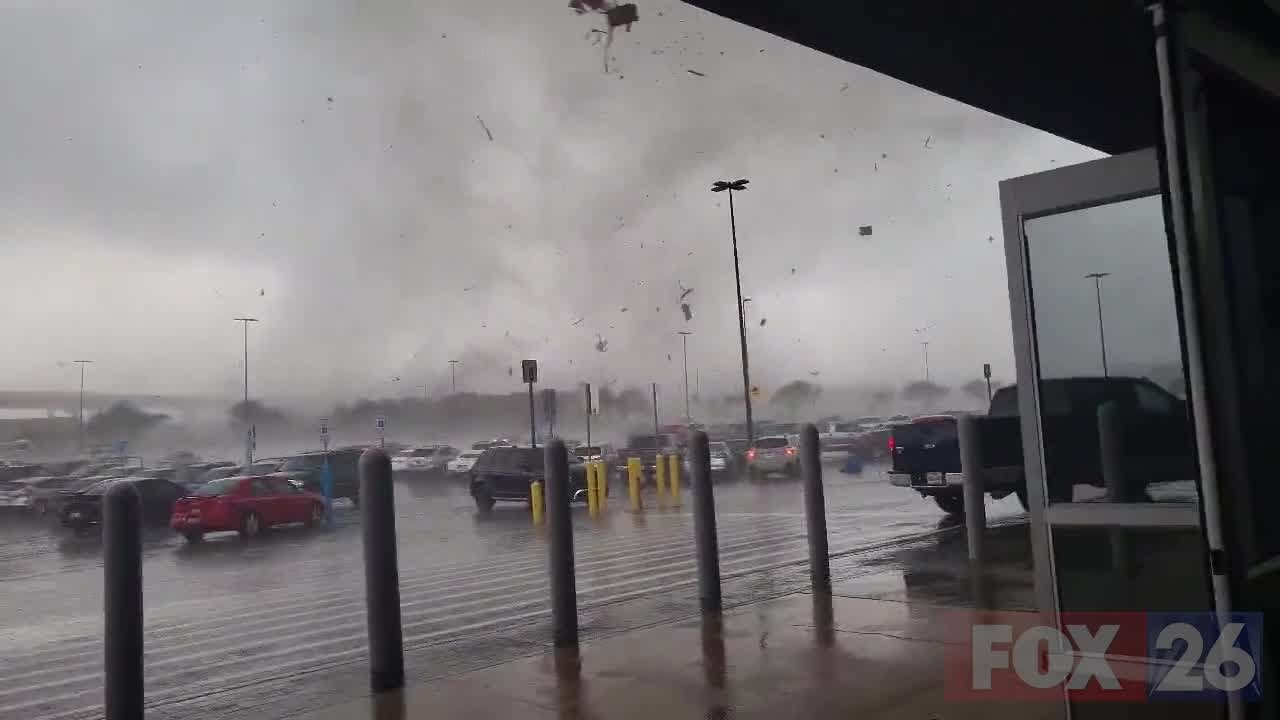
(1115, 424)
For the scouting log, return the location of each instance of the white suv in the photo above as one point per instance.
(773, 454)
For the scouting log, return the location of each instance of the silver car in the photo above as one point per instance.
(773, 454)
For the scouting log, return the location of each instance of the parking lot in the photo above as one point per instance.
(229, 621)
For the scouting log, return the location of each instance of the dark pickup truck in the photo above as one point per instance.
(646, 447)
(1156, 440)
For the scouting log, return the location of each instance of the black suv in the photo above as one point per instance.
(505, 473)
(304, 469)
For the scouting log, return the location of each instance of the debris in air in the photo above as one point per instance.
(864, 230)
(684, 291)
(615, 16)
(691, 71)
(601, 344)
(763, 321)
(688, 314)
(991, 238)
(622, 309)
(484, 127)
(262, 292)
(668, 357)
(578, 322)
(926, 142)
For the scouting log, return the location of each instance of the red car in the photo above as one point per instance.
(247, 505)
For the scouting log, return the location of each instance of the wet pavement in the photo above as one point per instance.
(275, 626)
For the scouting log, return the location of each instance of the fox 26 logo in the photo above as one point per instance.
(1103, 656)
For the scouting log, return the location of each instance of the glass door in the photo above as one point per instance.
(1108, 440)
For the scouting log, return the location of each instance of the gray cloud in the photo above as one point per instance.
(163, 165)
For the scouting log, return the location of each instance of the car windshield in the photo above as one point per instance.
(214, 488)
(771, 442)
(587, 450)
(301, 463)
(469, 455)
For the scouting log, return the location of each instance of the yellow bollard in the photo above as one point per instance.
(593, 491)
(660, 478)
(602, 486)
(675, 480)
(535, 501)
(634, 471)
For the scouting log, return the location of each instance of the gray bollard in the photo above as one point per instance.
(122, 602)
(815, 509)
(1111, 459)
(975, 508)
(564, 593)
(706, 543)
(381, 572)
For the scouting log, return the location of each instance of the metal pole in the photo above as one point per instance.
(122, 602)
(655, 416)
(1102, 335)
(80, 440)
(564, 594)
(742, 323)
(926, 360)
(1111, 455)
(815, 509)
(533, 421)
(704, 525)
(684, 339)
(975, 509)
(453, 375)
(248, 422)
(988, 391)
(381, 572)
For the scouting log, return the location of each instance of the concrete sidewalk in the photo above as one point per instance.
(800, 656)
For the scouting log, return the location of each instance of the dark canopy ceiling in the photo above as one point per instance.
(1083, 70)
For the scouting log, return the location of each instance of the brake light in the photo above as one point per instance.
(891, 443)
(791, 451)
(751, 454)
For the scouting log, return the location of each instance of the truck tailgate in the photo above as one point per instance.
(926, 446)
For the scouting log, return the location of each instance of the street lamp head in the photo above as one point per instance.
(1097, 275)
(245, 319)
(684, 332)
(722, 185)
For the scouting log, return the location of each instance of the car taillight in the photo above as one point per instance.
(891, 443)
(751, 454)
(791, 451)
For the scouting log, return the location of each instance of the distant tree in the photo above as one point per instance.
(795, 395)
(122, 421)
(976, 388)
(259, 414)
(880, 398)
(924, 392)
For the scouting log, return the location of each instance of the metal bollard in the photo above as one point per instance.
(536, 501)
(815, 509)
(660, 478)
(381, 572)
(975, 508)
(564, 594)
(675, 480)
(1111, 456)
(122, 602)
(634, 471)
(704, 525)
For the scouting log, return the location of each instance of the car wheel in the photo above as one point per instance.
(316, 516)
(193, 536)
(250, 525)
(484, 502)
(950, 504)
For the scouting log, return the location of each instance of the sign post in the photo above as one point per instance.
(549, 410)
(986, 373)
(381, 425)
(588, 386)
(529, 374)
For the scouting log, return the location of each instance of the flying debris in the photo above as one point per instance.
(615, 16)
(763, 321)
(691, 71)
(578, 322)
(926, 142)
(814, 373)
(864, 230)
(602, 345)
(684, 291)
(688, 314)
(622, 310)
(262, 292)
(511, 372)
(668, 357)
(485, 128)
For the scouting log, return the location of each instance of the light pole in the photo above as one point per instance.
(684, 341)
(81, 363)
(453, 375)
(925, 345)
(248, 426)
(731, 186)
(1102, 335)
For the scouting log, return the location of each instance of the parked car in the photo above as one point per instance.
(41, 491)
(646, 448)
(772, 454)
(83, 509)
(1157, 442)
(343, 464)
(738, 448)
(13, 494)
(462, 464)
(496, 442)
(722, 462)
(433, 459)
(189, 475)
(505, 474)
(247, 505)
